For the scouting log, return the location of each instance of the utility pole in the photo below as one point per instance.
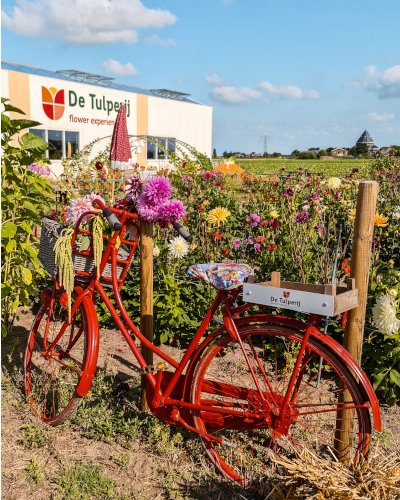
(264, 141)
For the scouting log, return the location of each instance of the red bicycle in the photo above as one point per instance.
(249, 389)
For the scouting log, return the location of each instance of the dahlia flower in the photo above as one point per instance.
(271, 247)
(334, 183)
(352, 215)
(384, 315)
(156, 251)
(236, 243)
(92, 174)
(396, 213)
(178, 247)
(39, 168)
(257, 247)
(274, 214)
(79, 206)
(207, 175)
(218, 215)
(173, 210)
(380, 220)
(157, 190)
(253, 219)
(301, 217)
(132, 186)
(289, 192)
(392, 292)
(147, 211)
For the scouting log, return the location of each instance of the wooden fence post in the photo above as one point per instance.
(359, 269)
(146, 297)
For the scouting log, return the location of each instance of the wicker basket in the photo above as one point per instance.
(51, 231)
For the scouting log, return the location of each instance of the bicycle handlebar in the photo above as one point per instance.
(112, 219)
(182, 231)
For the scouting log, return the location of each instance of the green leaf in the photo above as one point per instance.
(15, 304)
(6, 288)
(395, 377)
(32, 141)
(163, 338)
(84, 243)
(8, 107)
(8, 230)
(378, 379)
(26, 275)
(10, 246)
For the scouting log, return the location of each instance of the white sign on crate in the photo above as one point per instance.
(147, 174)
(296, 300)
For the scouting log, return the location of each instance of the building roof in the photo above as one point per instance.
(73, 75)
(365, 137)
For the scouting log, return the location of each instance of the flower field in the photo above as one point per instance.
(328, 167)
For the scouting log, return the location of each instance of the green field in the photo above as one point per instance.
(329, 167)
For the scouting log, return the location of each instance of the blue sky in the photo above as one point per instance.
(306, 74)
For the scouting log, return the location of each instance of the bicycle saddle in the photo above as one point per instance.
(221, 276)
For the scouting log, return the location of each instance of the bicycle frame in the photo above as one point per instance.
(166, 399)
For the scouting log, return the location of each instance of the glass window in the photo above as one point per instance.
(151, 151)
(171, 145)
(71, 144)
(160, 150)
(39, 132)
(55, 138)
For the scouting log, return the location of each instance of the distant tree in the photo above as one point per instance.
(395, 150)
(214, 153)
(353, 151)
(313, 149)
(363, 150)
(295, 153)
(322, 152)
(276, 155)
(329, 151)
(306, 155)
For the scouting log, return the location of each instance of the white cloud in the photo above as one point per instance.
(156, 40)
(116, 68)
(386, 83)
(380, 118)
(288, 92)
(386, 130)
(84, 22)
(215, 79)
(233, 95)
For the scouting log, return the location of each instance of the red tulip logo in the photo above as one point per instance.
(53, 103)
(286, 294)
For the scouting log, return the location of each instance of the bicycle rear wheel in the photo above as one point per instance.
(223, 379)
(51, 376)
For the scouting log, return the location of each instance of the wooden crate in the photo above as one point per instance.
(326, 300)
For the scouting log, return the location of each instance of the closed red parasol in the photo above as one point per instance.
(120, 152)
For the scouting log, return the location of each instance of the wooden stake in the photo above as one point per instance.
(354, 332)
(146, 296)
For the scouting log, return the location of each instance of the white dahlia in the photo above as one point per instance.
(334, 183)
(178, 247)
(384, 315)
(396, 213)
(156, 251)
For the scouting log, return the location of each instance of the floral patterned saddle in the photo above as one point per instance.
(221, 276)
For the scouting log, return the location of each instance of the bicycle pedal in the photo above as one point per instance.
(152, 368)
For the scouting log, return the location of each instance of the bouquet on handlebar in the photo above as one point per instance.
(76, 240)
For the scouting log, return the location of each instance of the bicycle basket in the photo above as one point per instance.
(51, 231)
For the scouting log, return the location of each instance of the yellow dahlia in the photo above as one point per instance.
(352, 215)
(274, 214)
(380, 220)
(218, 215)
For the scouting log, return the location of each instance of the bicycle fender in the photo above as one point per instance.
(92, 349)
(331, 344)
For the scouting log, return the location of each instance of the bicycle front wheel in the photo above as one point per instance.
(52, 373)
(223, 380)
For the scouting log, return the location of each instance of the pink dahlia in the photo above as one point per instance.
(157, 190)
(78, 207)
(173, 210)
(207, 175)
(39, 168)
(147, 211)
(253, 219)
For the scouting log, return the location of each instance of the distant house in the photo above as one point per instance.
(256, 155)
(339, 152)
(386, 151)
(367, 139)
(239, 156)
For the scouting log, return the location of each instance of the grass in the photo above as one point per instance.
(329, 167)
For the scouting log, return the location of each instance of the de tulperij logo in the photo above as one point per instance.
(53, 103)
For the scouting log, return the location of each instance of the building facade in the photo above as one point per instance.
(339, 152)
(367, 139)
(76, 108)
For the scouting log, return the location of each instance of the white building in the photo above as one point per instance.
(76, 108)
